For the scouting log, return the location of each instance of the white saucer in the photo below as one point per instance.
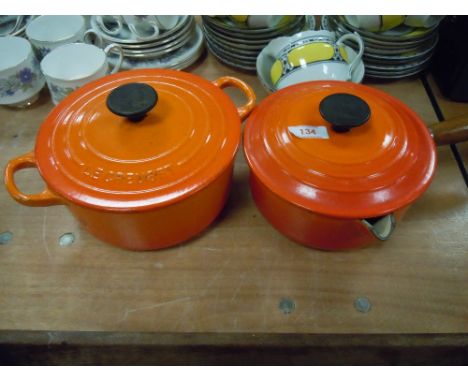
(127, 37)
(179, 59)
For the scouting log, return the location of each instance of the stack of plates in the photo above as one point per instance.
(176, 48)
(14, 25)
(237, 45)
(397, 53)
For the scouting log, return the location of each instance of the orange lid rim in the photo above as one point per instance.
(251, 155)
(71, 196)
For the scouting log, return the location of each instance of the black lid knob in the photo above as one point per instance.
(132, 100)
(344, 111)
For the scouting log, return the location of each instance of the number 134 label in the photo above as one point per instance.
(309, 132)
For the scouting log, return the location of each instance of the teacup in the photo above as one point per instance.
(375, 23)
(49, 32)
(143, 28)
(313, 55)
(70, 66)
(20, 77)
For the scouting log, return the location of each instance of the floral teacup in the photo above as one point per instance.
(20, 77)
(71, 66)
(49, 32)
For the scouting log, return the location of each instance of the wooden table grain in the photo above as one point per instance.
(240, 277)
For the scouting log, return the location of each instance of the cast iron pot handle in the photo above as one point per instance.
(451, 131)
(382, 227)
(245, 109)
(45, 198)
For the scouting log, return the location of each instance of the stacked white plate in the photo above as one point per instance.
(175, 48)
(238, 45)
(396, 53)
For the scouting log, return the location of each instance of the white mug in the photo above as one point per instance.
(20, 77)
(49, 32)
(70, 66)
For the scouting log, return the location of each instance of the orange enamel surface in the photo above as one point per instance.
(372, 170)
(309, 228)
(94, 158)
(158, 227)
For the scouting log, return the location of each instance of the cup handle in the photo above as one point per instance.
(356, 38)
(113, 32)
(92, 37)
(245, 109)
(135, 31)
(132, 23)
(45, 198)
(119, 50)
(19, 20)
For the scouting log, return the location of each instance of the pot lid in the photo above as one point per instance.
(138, 139)
(340, 149)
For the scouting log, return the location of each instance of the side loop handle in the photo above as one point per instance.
(45, 198)
(245, 109)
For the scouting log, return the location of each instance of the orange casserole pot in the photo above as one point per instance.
(135, 176)
(334, 165)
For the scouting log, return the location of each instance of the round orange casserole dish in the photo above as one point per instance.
(334, 165)
(143, 158)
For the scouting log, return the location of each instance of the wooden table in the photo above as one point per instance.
(240, 292)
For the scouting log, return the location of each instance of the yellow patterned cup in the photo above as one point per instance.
(306, 50)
